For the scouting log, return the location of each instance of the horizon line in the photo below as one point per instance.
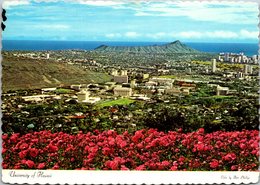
(134, 41)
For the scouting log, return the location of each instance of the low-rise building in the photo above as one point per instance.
(151, 83)
(75, 87)
(174, 91)
(185, 91)
(222, 90)
(122, 91)
(145, 76)
(121, 79)
(83, 96)
(45, 90)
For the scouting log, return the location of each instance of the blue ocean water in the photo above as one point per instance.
(248, 49)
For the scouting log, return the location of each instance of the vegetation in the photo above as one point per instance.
(121, 101)
(32, 74)
(63, 91)
(168, 76)
(174, 47)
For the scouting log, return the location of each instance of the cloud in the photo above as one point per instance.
(249, 34)
(11, 3)
(156, 35)
(188, 34)
(52, 27)
(113, 35)
(118, 35)
(222, 12)
(132, 34)
(218, 34)
(99, 2)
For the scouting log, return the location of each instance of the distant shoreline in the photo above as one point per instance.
(248, 49)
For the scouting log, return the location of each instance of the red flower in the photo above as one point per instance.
(165, 163)
(23, 146)
(201, 131)
(55, 167)
(114, 165)
(123, 144)
(242, 146)
(141, 167)
(123, 167)
(4, 137)
(41, 166)
(52, 148)
(4, 150)
(23, 154)
(200, 147)
(34, 152)
(14, 138)
(229, 157)
(30, 163)
(214, 163)
(234, 167)
(174, 168)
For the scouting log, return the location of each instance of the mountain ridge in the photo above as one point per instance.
(171, 47)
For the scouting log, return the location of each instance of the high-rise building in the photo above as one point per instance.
(214, 65)
(133, 83)
(124, 73)
(47, 56)
(249, 69)
(114, 72)
(245, 69)
(226, 59)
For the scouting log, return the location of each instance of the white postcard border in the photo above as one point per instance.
(127, 177)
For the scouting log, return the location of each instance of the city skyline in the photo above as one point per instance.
(131, 21)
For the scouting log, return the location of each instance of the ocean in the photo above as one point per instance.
(248, 49)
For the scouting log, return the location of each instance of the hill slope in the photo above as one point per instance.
(173, 47)
(28, 73)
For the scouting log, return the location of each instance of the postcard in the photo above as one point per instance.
(130, 92)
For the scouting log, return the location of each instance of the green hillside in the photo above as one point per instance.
(29, 73)
(173, 47)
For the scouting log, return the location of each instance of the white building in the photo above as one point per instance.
(123, 72)
(83, 96)
(122, 91)
(226, 59)
(151, 84)
(133, 83)
(222, 90)
(214, 65)
(75, 87)
(114, 72)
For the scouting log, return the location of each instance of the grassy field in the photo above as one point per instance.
(63, 91)
(122, 101)
(31, 74)
(168, 76)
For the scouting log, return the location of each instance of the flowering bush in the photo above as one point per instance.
(143, 150)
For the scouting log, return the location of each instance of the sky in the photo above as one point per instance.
(119, 20)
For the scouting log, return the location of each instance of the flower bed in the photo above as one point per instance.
(143, 150)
